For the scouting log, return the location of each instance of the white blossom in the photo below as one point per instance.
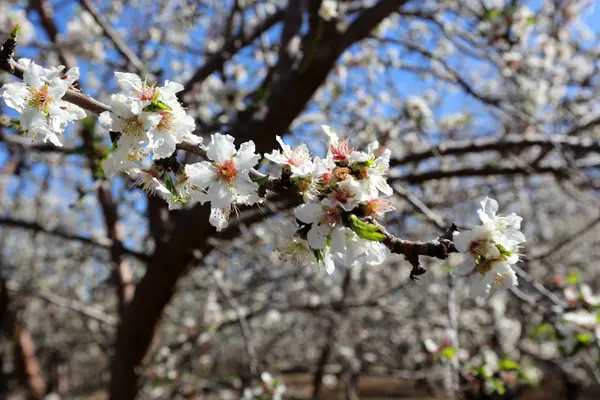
(328, 9)
(127, 118)
(38, 99)
(492, 247)
(297, 160)
(349, 193)
(373, 169)
(324, 218)
(150, 119)
(297, 252)
(224, 181)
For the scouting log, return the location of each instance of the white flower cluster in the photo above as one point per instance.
(491, 248)
(148, 118)
(38, 99)
(337, 190)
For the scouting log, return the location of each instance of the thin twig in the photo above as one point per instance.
(244, 326)
(114, 37)
(74, 305)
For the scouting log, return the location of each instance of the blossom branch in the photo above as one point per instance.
(440, 248)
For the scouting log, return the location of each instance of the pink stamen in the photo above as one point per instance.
(341, 150)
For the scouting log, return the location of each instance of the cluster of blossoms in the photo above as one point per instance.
(38, 99)
(338, 191)
(491, 248)
(148, 118)
(506, 22)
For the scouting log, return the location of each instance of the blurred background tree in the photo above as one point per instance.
(105, 292)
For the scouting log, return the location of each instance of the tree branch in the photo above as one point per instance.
(506, 143)
(231, 47)
(34, 226)
(114, 37)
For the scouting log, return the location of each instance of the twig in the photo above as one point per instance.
(539, 287)
(114, 37)
(34, 226)
(568, 240)
(453, 383)
(505, 143)
(244, 326)
(438, 248)
(435, 218)
(74, 305)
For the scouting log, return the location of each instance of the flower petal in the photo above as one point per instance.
(201, 174)
(246, 159)
(220, 148)
(308, 213)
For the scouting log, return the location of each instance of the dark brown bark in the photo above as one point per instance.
(27, 366)
(29, 372)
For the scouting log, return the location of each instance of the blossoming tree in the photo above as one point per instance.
(289, 190)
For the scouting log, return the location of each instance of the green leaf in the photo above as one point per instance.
(170, 185)
(359, 165)
(542, 330)
(584, 338)
(504, 252)
(483, 372)
(364, 230)
(262, 180)
(157, 105)
(531, 20)
(573, 277)
(15, 32)
(449, 352)
(492, 14)
(318, 255)
(508, 365)
(498, 386)
(522, 375)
